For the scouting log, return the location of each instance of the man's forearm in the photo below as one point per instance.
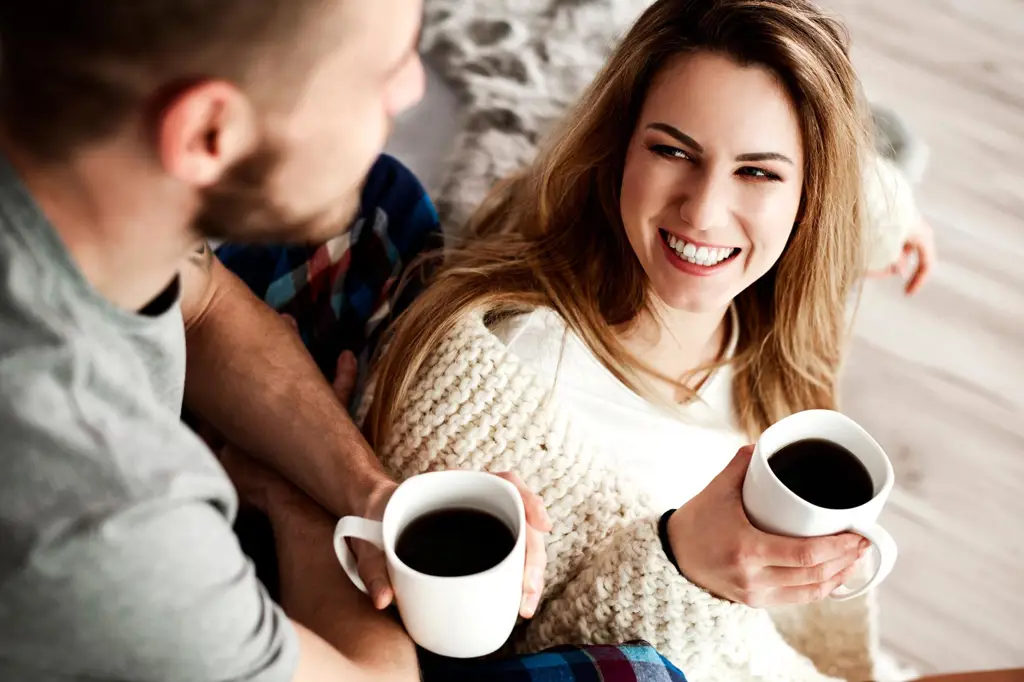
(251, 378)
(316, 593)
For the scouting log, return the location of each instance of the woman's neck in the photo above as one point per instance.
(674, 343)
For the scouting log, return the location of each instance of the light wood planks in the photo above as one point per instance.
(939, 379)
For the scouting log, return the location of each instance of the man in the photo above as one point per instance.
(131, 131)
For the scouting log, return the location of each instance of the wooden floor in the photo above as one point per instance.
(939, 378)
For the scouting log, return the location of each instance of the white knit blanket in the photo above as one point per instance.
(476, 406)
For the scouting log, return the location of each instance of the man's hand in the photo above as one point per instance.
(362, 643)
(371, 562)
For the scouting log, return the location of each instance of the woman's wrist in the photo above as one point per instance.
(666, 541)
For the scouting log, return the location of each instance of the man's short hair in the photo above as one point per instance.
(72, 72)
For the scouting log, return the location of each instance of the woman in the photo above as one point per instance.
(666, 280)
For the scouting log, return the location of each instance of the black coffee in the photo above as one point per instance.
(454, 542)
(823, 473)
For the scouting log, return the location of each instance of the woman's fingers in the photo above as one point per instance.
(537, 524)
(781, 551)
(925, 263)
(536, 514)
(805, 570)
(922, 243)
(533, 576)
(805, 594)
(777, 576)
(920, 247)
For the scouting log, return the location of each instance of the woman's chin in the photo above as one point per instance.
(693, 301)
(678, 291)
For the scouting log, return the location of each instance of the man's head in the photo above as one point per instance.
(264, 116)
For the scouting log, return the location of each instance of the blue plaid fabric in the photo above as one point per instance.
(632, 662)
(341, 294)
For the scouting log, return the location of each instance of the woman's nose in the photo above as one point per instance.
(705, 206)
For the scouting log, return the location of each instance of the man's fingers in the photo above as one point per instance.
(536, 514)
(781, 551)
(533, 576)
(290, 320)
(373, 570)
(345, 374)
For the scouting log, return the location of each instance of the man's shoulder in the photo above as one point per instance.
(63, 415)
(72, 453)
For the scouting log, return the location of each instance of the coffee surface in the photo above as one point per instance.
(823, 473)
(454, 542)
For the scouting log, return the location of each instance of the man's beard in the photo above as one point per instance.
(240, 208)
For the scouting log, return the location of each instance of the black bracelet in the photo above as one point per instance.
(663, 535)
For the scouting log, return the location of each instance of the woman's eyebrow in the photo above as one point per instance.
(672, 131)
(765, 156)
(678, 134)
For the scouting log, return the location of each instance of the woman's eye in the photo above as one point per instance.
(757, 173)
(669, 152)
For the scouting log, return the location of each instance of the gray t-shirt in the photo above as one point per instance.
(117, 558)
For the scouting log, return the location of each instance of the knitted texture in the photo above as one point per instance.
(474, 405)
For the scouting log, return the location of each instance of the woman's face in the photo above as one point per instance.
(712, 181)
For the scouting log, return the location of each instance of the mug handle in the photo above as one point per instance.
(362, 529)
(886, 546)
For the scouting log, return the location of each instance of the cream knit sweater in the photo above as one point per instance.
(476, 406)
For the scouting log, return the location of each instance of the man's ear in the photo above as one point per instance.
(204, 130)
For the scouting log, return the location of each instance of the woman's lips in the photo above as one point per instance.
(696, 258)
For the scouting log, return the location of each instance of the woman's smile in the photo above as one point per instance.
(695, 257)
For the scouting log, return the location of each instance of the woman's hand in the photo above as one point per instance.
(718, 549)
(371, 563)
(537, 525)
(916, 260)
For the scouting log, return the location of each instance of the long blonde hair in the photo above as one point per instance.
(553, 236)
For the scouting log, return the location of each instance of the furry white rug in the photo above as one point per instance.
(516, 65)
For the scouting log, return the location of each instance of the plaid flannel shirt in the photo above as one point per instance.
(632, 662)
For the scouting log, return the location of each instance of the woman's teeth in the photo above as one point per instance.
(698, 255)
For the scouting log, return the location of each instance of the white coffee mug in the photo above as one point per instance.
(460, 617)
(774, 508)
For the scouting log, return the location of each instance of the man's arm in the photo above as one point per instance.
(251, 378)
(318, 662)
(341, 635)
(352, 640)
